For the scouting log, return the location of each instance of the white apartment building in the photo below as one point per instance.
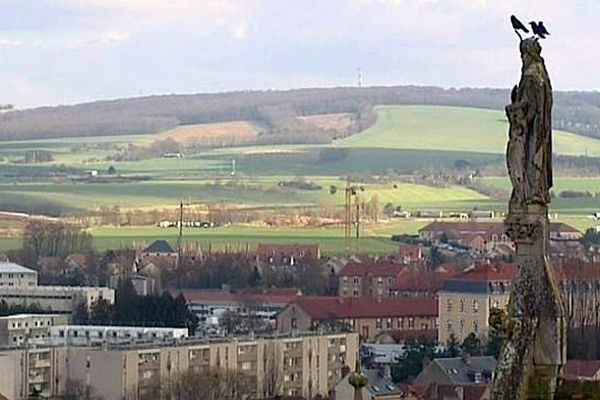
(17, 330)
(84, 335)
(14, 275)
(58, 299)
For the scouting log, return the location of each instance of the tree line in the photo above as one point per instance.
(578, 112)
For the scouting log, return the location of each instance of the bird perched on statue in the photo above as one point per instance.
(518, 25)
(539, 29)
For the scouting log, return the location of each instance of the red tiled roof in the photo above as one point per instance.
(580, 368)
(337, 307)
(577, 270)
(421, 280)
(364, 269)
(484, 227)
(489, 272)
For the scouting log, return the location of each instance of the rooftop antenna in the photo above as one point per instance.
(360, 78)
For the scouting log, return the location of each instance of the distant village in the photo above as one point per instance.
(423, 323)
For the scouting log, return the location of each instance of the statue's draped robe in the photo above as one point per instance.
(529, 151)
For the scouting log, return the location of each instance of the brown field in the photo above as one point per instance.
(227, 131)
(334, 122)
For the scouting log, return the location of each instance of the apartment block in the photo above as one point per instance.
(306, 366)
(58, 299)
(465, 301)
(14, 275)
(89, 335)
(19, 329)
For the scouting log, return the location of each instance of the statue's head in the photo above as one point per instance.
(531, 51)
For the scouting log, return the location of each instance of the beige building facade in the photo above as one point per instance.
(14, 275)
(465, 302)
(16, 330)
(59, 299)
(304, 366)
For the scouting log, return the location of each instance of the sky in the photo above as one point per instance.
(68, 51)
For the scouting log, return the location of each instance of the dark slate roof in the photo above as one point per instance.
(379, 384)
(461, 370)
(159, 246)
(465, 286)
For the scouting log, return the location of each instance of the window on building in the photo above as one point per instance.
(294, 323)
(355, 292)
(475, 327)
(462, 305)
(411, 323)
(378, 323)
(475, 306)
(355, 280)
(449, 305)
(400, 323)
(462, 327)
(449, 326)
(388, 323)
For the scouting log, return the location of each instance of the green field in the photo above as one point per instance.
(239, 238)
(405, 139)
(453, 128)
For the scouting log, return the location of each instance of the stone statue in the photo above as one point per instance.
(530, 361)
(529, 150)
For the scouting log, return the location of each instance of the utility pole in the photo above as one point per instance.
(180, 236)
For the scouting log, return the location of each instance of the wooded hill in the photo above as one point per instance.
(577, 112)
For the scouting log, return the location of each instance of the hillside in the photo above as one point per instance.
(452, 128)
(277, 111)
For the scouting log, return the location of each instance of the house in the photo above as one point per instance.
(159, 252)
(380, 387)
(581, 370)
(371, 280)
(485, 236)
(408, 253)
(143, 285)
(457, 375)
(368, 317)
(466, 299)
(420, 282)
(286, 254)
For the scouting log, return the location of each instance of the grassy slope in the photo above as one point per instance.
(452, 128)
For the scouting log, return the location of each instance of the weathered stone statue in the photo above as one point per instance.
(529, 363)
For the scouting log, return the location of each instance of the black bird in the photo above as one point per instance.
(518, 25)
(543, 28)
(537, 30)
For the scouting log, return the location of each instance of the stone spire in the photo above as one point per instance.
(358, 381)
(530, 361)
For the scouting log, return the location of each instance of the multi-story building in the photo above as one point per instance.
(305, 365)
(19, 329)
(58, 299)
(368, 317)
(367, 279)
(210, 305)
(465, 301)
(19, 285)
(88, 335)
(29, 372)
(14, 275)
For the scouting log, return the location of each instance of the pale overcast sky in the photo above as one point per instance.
(67, 51)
